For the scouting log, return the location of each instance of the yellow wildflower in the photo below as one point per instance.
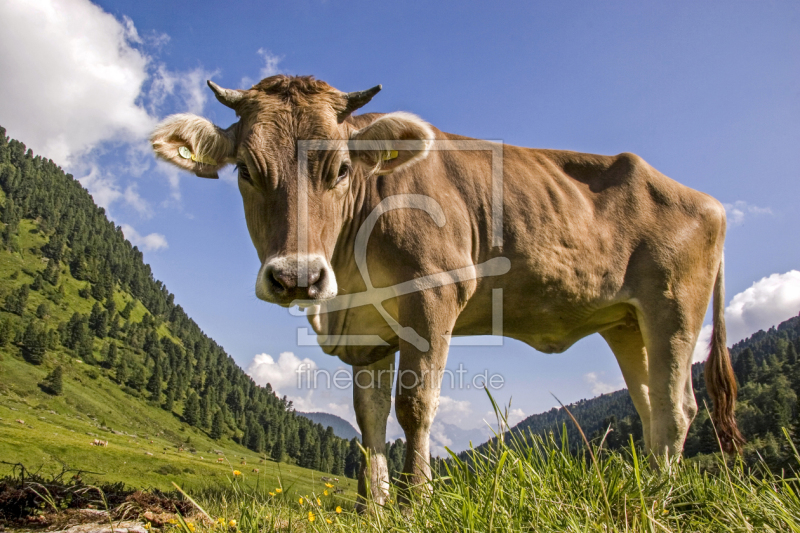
(147, 526)
(232, 523)
(278, 490)
(272, 494)
(338, 509)
(325, 492)
(190, 525)
(237, 473)
(328, 520)
(329, 485)
(300, 501)
(220, 520)
(310, 516)
(319, 502)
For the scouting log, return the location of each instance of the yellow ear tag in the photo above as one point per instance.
(204, 160)
(391, 155)
(185, 153)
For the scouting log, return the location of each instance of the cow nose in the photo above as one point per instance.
(281, 281)
(316, 275)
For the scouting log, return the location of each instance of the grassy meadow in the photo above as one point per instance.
(144, 440)
(543, 488)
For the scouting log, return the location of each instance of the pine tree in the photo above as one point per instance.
(154, 385)
(205, 408)
(745, 366)
(53, 382)
(18, 300)
(121, 369)
(279, 449)
(34, 343)
(38, 282)
(137, 379)
(113, 328)
(217, 425)
(352, 460)
(98, 321)
(111, 355)
(85, 351)
(43, 311)
(6, 332)
(191, 410)
(169, 403)
(791, 354)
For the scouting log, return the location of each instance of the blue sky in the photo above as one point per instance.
(707, 92)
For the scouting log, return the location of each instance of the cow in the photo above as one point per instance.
(384, 227)
(220, 460)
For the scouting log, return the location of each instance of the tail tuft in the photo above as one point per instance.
(720, 380)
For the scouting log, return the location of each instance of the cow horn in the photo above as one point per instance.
(226, 97)
(356, 100)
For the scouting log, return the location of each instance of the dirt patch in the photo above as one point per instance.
(28, 501)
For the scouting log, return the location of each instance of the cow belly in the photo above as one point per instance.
(549, 330)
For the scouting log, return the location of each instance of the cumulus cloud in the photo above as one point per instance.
(148, 243)
(602, 387)
(767, 302)
(282, 374)
(270, 68)
(189, 86)
(740, 210)
(71, 77)
(77, 81)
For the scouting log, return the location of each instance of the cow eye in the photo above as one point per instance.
(344, 171)
(244, 173)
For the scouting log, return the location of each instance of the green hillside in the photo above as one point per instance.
(134, 369)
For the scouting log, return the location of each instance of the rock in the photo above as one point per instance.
(119, 527)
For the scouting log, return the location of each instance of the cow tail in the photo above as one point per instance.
(720, 380)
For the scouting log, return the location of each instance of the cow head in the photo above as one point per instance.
(296, 195)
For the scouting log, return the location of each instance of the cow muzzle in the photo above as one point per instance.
(284, 279)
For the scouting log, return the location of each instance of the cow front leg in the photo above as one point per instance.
(419, 378)
(372, 400)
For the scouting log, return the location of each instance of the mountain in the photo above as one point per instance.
(341, 427)
(77, 302)
(767, 370)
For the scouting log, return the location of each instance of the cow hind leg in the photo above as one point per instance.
(372, 400)
(628, 346)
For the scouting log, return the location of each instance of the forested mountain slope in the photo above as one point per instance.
(768, 373)
(72, 289)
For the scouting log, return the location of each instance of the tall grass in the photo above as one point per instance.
(538, 485)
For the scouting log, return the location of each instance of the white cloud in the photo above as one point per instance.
(101, 186)
(602, 387)
(76, 82)
(71, 77)
(270, 68)
(150, 242)
(133, 199)
(766, 303)
(739, 210)
(189, 86)
(283, 375)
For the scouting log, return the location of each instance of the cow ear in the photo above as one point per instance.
(194, 144)
(392, 142)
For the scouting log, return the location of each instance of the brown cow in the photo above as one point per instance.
(424, 235)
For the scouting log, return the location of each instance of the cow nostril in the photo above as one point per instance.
(279, 281)
(314, 276)
(274, 283)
